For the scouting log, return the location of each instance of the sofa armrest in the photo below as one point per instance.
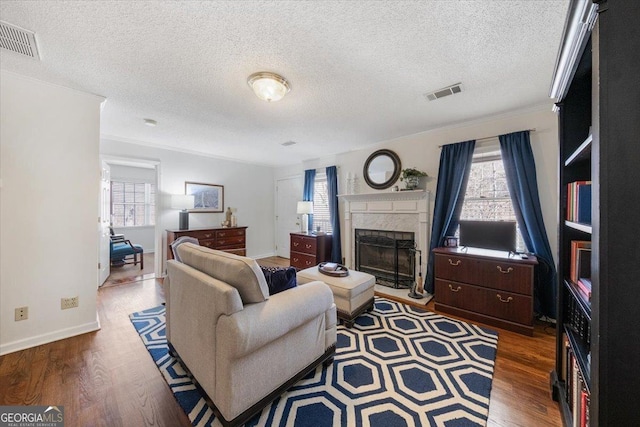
(261, 323)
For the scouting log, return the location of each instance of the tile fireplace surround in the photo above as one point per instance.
(387, 210)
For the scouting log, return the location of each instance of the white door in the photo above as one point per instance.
(288, 193)
(104, 221)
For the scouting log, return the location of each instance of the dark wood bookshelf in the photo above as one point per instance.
(580, 351)
(582, 153)
(597, 90)
(585, 228)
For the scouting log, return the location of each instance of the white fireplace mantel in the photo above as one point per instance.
(386, 196)
(387, 210)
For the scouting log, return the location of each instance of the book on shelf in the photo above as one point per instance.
(575, 245)
(584, 403)
(565, 355)
(583, 264)
(583, 214)
(575, 394)
(579, 202)
(584, 285)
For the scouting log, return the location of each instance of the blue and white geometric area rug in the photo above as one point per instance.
(397, 366)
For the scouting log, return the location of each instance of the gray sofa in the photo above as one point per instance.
(242, 346)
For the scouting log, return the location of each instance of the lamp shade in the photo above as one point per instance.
(305, 208)
(268, 86)
(182, 201)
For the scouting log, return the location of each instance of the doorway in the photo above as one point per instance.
(132, 208)
(288, 193)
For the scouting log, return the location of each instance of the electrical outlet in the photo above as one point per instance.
(66, 303)
(22, 313)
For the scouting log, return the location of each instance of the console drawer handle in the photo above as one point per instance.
(451, 287)
(454, 263)
(509, 299)
(307, 246)
(508, 270)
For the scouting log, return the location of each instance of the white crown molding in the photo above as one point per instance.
(179, 150)
(462, 124)
(101, 98)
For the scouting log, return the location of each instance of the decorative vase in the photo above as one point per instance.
(411, 182)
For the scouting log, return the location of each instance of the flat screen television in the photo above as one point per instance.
(496, 235)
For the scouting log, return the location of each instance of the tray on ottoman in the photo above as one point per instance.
(352, 294)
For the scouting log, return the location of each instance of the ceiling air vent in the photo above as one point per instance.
(288, 143)
(441, 93)
(17, 40)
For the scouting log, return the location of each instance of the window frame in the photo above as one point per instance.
(492, 154)
(150, 195)
(320, 180)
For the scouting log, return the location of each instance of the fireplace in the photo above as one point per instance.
(388, 255)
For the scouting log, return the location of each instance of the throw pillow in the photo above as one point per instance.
(279, 278)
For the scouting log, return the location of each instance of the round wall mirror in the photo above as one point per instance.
(382, 169)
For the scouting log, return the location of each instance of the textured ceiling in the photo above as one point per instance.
(358, 69)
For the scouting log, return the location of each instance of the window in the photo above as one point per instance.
(487, 197)
(321, 214)
(132, 204)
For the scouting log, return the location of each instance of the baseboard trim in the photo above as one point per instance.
(50, 337)
(267, 255)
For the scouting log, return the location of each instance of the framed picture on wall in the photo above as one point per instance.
(208, 197)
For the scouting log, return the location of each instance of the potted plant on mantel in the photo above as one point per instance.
(411, 178)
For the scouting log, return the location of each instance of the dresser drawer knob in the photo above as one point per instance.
(307, 246)
(208, 235)
(295, 260)
(454, 263)
(308, 262)
(508, 270)
(451, 286)
(295, 244)
(222, 234)
(509, 299)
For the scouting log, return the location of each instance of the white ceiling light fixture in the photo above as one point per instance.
(268, 86)
(150, 122)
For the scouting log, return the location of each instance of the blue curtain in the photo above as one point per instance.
(520, 168)
(309, 187)
(453, 174)
(332, 189)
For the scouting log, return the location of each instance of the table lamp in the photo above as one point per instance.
(304, 209)
(183, 202)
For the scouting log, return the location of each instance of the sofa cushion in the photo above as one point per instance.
(279, 278)
(242, 273)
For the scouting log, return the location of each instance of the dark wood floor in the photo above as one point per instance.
(107, 378)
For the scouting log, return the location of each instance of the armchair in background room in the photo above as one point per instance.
(122, 251)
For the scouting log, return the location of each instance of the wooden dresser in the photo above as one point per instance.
(228, 239)
(485, 286)
(307, 250)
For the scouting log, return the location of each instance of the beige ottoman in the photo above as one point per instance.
(353, 294)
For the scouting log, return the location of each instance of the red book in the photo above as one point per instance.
(583, 408)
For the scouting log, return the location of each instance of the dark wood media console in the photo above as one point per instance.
(487, 286)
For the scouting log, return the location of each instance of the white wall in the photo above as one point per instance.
(142, 235)
(422, 152)
(247, 188)
(50, 175)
